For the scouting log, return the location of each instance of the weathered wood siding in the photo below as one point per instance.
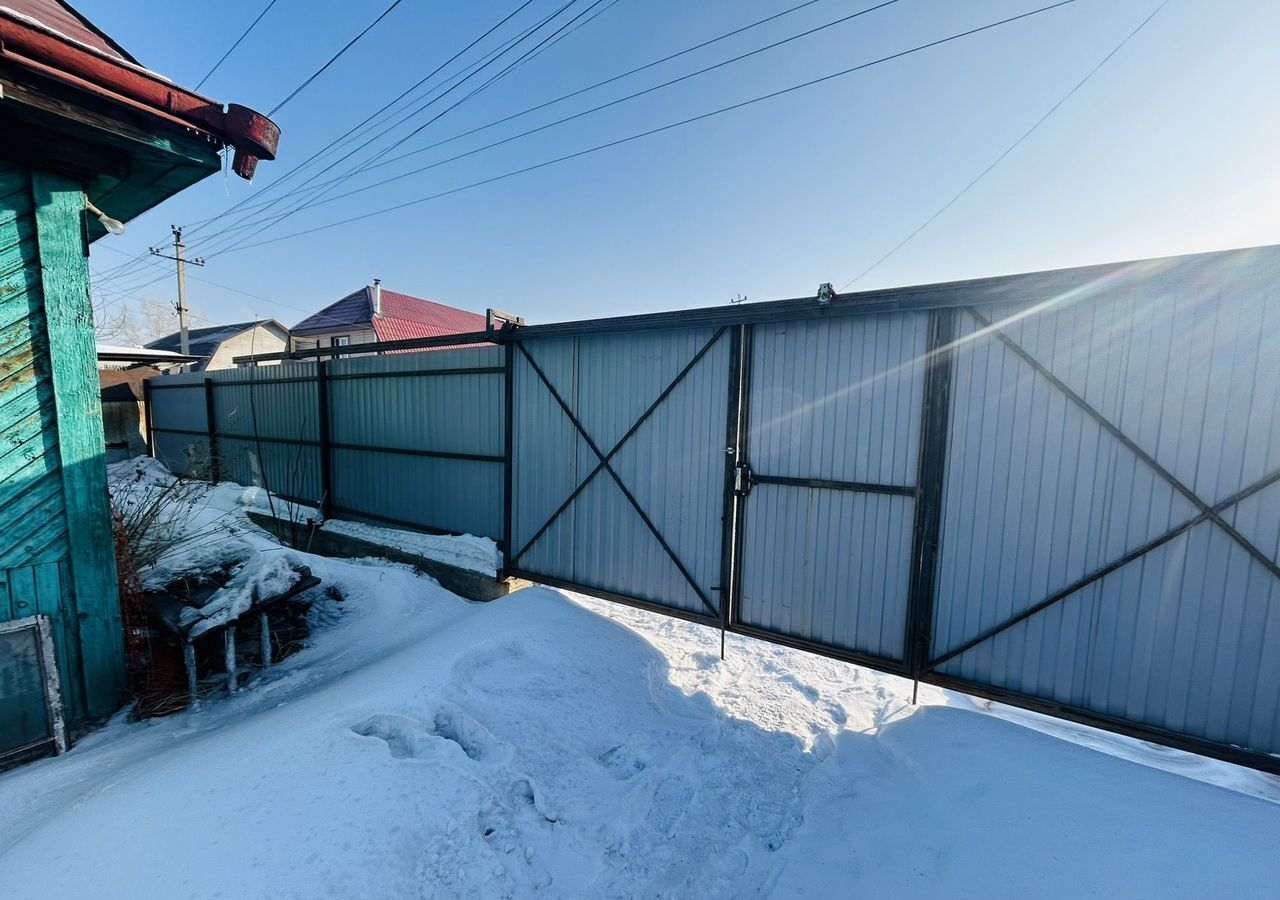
(55, 544)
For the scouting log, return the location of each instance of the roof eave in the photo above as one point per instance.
(26, 43)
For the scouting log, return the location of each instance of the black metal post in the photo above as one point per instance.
(325, 441)
(147, 417)
(745, 351)
(935, 417)
(732, 450)
(509, 351)
(211, 418)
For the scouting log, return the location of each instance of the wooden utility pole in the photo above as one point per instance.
(179, 256)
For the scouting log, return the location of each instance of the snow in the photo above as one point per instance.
(262, 577)
(549, 745)
(476, 554)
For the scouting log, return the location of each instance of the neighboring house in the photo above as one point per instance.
(122, 373)
(124, 412)
(88, 139)
(219, 345)
(376, 315)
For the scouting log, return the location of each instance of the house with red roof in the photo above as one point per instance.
(375, 315)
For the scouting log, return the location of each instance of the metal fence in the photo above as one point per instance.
(408, 439)
(1059, 490)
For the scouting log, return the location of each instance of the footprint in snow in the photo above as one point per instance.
(622, 762)
(409, 738)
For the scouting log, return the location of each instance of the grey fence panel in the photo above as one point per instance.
(672, 464)
(272, 402)
(266, 420)
(388, 401)
(831, 567)
(416, 439)
(1062, 419)
(449, 403)
(838, 399)
(177, 402)
(434, 494)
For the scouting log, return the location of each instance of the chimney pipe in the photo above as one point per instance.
(376, 291)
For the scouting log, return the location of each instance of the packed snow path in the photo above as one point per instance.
(547, 746)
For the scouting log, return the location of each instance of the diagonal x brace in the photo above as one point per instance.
(1099, 574)
(616, 447)
(626, 492)
(1206, 511)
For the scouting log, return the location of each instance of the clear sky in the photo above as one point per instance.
(1170, 148)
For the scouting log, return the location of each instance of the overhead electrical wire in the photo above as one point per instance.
(232, 48)
(367, 120)
(308, 185)
(663, 128)
(320, 190)
(258, 206)
(590, 87)
(1008, 150)
(615, 102)
(563, 97)
(118, 270)
(333, 59)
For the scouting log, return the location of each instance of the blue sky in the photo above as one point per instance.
(1171, 148)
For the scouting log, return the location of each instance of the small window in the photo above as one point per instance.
(341, 340)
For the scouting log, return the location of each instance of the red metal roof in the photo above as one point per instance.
(49, 38)
(62, 18)
(403, 317)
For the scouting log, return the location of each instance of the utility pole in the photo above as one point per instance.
(179, 256)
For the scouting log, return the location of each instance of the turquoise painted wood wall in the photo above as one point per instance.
(56, 554)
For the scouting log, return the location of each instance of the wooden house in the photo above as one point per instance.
(83, 127)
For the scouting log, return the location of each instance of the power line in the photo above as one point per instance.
(343, 137)
(127, 268)
(227, 287)
(232, 48)
(260, 206)
(458, 79)
(351, 43)
(318, 191)
(662, 128)
(999, 159)
(591, 87)
(603, 106)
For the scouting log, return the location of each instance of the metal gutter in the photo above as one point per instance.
(60, 58)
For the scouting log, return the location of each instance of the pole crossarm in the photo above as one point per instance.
(1111, 428)
(605, 465)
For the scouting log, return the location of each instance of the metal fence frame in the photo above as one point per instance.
(944, 305)
(322, 379)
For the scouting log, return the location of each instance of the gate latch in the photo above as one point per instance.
(742, 480)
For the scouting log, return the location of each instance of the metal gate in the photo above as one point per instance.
(830, 483)
(1059, 490)
(618, 465)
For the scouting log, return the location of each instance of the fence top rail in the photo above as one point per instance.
(1221, 266)
(1225, 266)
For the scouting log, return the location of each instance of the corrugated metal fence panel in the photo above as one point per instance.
(387, 402)
(1038, 495)
(255, 411)
(838, 400)
(673, 464)
(832, 567)
(177, 401)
